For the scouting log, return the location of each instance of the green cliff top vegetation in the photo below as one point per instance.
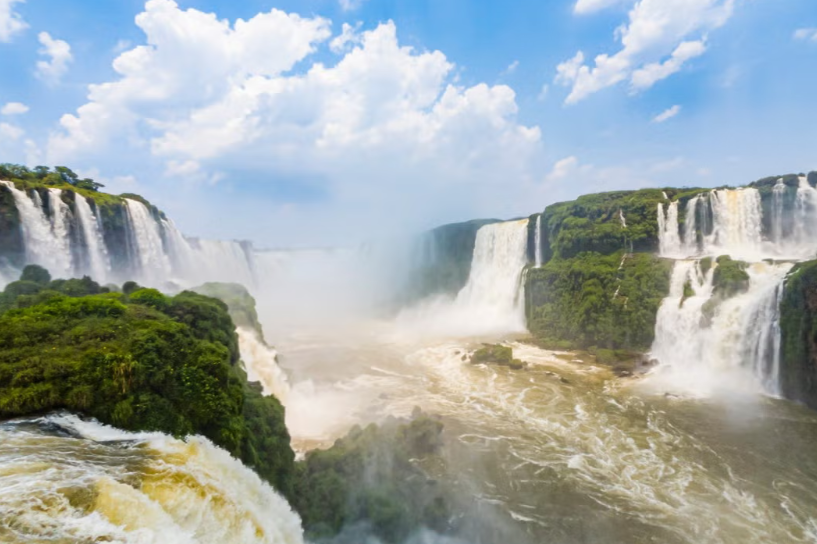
(138, 360)
(239, 301)
(61, 177)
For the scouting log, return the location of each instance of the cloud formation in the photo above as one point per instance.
(14, 108)
(584, 7)
(58, 57)
(806, 34)
(654, 45)
(11, 23)
(386, 124)
(667, 114)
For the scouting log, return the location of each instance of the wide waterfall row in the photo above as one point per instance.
(66, 233)
(742, 223)
(706, 339)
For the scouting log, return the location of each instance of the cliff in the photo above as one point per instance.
(140, 361)
(798, 325)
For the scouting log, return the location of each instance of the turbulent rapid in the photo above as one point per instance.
(67, 481)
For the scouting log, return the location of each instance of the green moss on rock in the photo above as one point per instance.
(798, 326)
(607, 301)
(494, 354)
(730, 277)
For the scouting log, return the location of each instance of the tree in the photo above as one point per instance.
(36, 274)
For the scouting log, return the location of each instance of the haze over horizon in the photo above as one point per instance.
(320, 122)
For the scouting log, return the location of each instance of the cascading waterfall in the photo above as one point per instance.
(262, 365)
(99, 264)
(85, 482)
(701, 338)
(538, 240)
(41, 244)
(493, 294)
(147, 236)
(60, 228)
(705, 343)
(668, 231)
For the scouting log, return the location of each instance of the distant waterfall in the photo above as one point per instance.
(69, 238)
(731, 222)
(494, 294)
(538, 239)
(492, 301)
(99, 263)
(147, 236)
(669, 236)
(42, 246)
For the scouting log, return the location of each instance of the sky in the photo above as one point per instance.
(328, 122)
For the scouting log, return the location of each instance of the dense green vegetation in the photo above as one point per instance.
(138, 361)
(239, 301)
(593, 223)
(374, 476)
(493, 354)
(597, 301)
(798, 325)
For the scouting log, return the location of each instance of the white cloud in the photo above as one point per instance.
(654, 45)
(14, 108)
(806, 34)
(58, 56)
(543, 94)
(563, 168)
(10, 21)
(667, 114)
(649, 74)
(10, 132)
(386, 122)
(350, 5)
(584, 7)
(511, 68)
(349, 36)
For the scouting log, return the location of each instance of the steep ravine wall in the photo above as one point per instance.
(798, 324)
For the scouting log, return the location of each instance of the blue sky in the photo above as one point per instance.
(315, 122)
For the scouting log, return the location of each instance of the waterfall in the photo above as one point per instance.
(737, 224)
(42, 245)
(690, 245)
(154, 263)
(492, 301)
(99, 263)
(68, 480)
(494, 294)
(262, 365)
(705, 343)
(669, 237)
(538, 240)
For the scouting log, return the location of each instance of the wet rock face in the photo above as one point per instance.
(490, 354)
(798, 324)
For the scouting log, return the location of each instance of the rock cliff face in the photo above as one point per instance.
(798, 323)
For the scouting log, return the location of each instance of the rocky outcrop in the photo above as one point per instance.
(798, 324)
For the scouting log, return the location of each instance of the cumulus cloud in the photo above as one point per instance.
(14, 108)
(11, 132)
(667, 114)
(654, 45)
(58, 57)
(806, 34)
(387, 123)
(584, 7)
(563, 168)
(10, 21)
